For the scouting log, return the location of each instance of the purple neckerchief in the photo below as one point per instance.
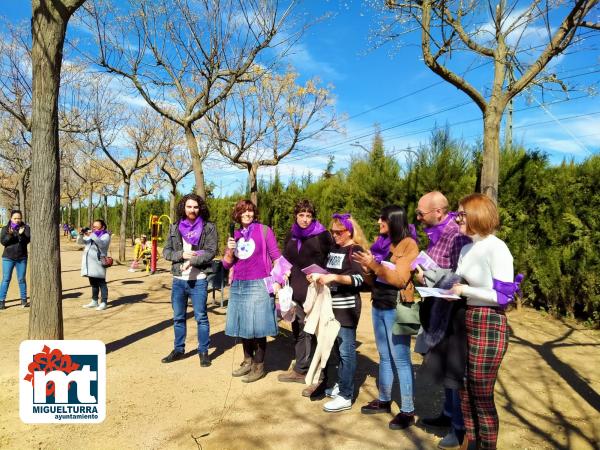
(302, 234)
(244, 232)
(381, 248)
(15, 226)
(505, 290)
(100, 233)
(345, 220)
(191, 231)
(435, 232)
(413, 232)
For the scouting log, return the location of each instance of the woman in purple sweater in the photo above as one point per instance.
(251, 312)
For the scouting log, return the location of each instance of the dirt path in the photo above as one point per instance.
(548, 393)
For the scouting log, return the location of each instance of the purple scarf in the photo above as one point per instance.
(381, 248)
(100, 233)
(244, 232)
(191, 232)
(434, 233)
(15, 226)
(505, 290)
(345, 220)
(302, 234)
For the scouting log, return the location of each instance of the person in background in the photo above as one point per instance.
(14, 237)
(308, 242)
(387, 269)
(344, 280)
(445, 243)
(191, 246)
(141, 251)
(251, 315)
(97, 242)
(486, 265)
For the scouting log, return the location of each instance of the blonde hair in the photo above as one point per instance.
(358, 236)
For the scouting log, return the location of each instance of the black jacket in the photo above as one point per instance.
(15, 244)
(173, 250)
(314, 250)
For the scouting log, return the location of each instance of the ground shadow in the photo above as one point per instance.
(132, 282)
(141, 334)
(128, 299)
(72, 295)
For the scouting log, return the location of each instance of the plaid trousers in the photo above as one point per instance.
(487, 339)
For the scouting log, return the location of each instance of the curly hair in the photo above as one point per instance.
(241, 207)
(204, 213)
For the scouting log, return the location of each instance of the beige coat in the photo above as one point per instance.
(321, 322)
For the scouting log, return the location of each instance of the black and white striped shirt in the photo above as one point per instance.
(345, 298)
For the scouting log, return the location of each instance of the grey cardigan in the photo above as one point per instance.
(173, 250)
(94, 248)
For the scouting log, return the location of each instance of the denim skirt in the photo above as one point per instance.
(251, 310)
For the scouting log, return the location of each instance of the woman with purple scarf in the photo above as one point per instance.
(308, 243)
(191, 246)
(252, 251)
(14, 237)
(486, 265)
(97, 242)
(387, 270)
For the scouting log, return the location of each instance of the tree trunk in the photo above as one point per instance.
(70, 211)
(22, 193)
(79, 213)
(48, 27)
(90, 211)
(192, 144)
(122, 228)
(133, 222)
(253, 182)
(173, 205)
(106, 208)
(491, 153)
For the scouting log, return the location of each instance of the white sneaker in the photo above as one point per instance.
(449, 442)
(131, 270)
(101, 307)
(337, 404)
(333, 392)
(92, 304)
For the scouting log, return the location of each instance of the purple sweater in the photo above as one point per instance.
(254, 268)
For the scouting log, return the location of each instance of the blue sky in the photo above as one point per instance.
(380, 85)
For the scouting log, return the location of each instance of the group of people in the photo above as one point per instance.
(463, 335)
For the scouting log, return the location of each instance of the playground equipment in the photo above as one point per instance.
(155, 225)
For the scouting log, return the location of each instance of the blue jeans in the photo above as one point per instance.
(196, 290)
(394, 352)
(452, 408)
(346, 342)
(7, 268)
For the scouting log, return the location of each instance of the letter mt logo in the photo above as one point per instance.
(62, 381)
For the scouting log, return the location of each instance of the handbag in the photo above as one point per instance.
(106, 261)
(408, 321)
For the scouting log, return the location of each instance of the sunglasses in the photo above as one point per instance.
(338, 232)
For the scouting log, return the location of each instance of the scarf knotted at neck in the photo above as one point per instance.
(244, 232)
(100, 233)
(381, 247)
(15, 226)
(434, 232)
(301, 234)
(191, 231)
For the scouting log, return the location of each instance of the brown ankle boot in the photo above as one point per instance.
(257, 371)
(243, 369)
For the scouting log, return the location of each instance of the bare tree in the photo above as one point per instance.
(183, 58)
(130, 139)
(507, 40)
(263, 122)
(175, 168)
(15, 161)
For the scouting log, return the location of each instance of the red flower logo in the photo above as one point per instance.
(47, 361)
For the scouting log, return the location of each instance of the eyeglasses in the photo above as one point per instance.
(460, 216)
(423, 213)
(247, 214)
(338, 232)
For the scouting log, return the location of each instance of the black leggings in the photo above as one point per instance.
(255, 348)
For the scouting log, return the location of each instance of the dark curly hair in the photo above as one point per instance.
(204, 213)
(305, 205)
(241, 207)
